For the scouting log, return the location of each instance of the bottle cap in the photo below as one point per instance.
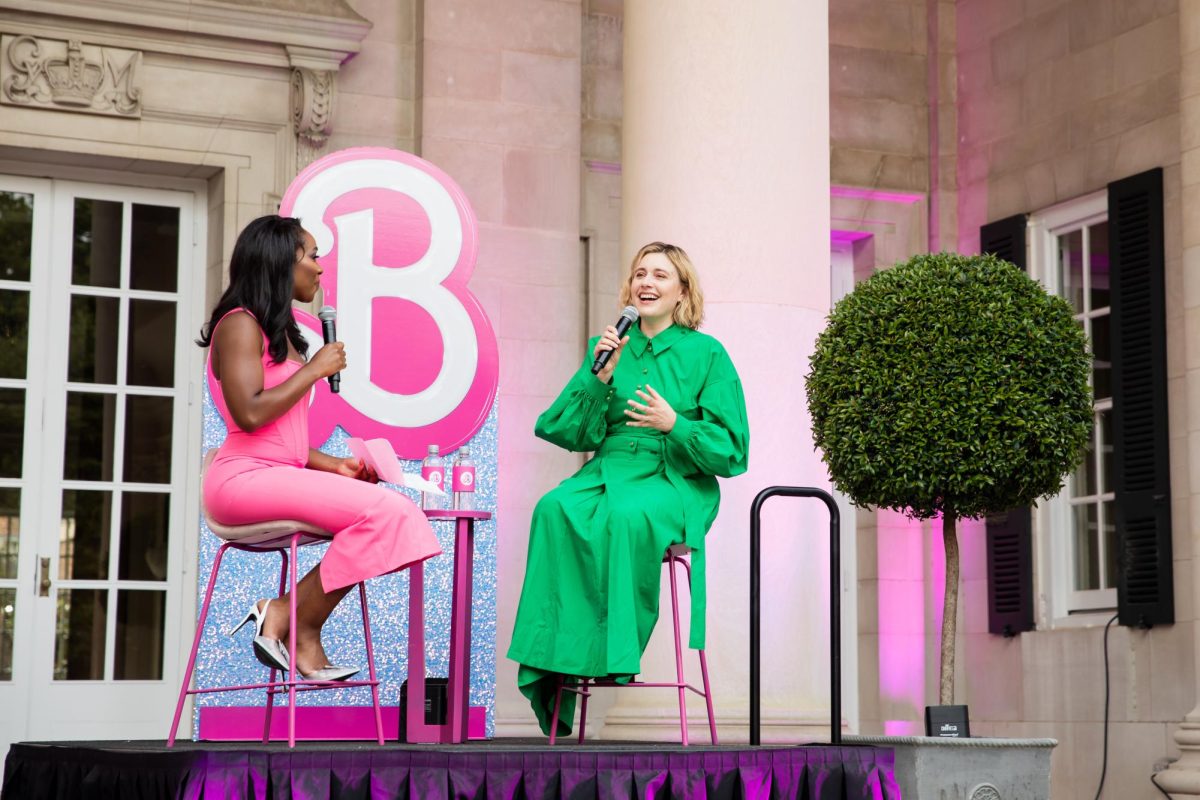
(433, 449)
(466, 452)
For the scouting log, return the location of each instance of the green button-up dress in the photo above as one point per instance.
(597, 540)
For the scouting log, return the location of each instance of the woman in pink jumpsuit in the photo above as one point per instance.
(265, 470)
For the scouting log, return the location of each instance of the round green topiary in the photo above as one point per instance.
(950, 383)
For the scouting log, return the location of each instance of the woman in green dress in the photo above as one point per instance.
(665, 417)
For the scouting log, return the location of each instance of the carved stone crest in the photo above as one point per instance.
(70, 76)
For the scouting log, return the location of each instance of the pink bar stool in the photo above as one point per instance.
(283, 537)
(675, 555)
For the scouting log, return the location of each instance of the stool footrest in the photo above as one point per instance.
(287, 550)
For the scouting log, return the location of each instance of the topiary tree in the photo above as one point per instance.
(951, 385)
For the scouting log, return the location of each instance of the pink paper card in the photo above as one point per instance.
(379, 455)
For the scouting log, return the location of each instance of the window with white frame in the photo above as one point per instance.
(1077, 528)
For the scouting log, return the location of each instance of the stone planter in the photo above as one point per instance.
(928, 768)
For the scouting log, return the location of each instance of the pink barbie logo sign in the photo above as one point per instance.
(397, 239)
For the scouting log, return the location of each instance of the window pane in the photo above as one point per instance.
(94, 329)
(86, 535)
(79, 634)
(1101, 357)
(148, 439)
(1083, 481)
(16, 235)
(138, 648)
(88, 450)
(96, 260)
(10, 531)
(144, 536)
(1106, 451)
(12, 432)
(1098, 247)
(154, 248)
(1070, 268)
(1087, 554)
(14, 332)
(151, 351)
(1110, 545)
(8, 612)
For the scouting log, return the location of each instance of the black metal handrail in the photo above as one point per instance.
(835, 606)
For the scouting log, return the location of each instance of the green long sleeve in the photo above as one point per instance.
(575, 421)
(715, 441)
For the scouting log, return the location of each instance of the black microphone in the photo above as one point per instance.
(328, 317)
(629, 315)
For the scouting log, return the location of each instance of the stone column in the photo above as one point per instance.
(726, 153)
(1183, 778)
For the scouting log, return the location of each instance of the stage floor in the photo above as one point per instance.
(497, 768)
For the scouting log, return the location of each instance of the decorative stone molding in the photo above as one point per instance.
(70, 76)
(313, 94)
(215, 29)
(312, 104)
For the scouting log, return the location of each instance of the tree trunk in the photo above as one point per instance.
(949, 608)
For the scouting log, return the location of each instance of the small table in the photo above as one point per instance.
(458, 688)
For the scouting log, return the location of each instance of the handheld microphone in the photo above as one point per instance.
(629, 315)
(328, 317)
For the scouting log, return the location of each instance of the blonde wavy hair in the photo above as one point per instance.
(689, 312)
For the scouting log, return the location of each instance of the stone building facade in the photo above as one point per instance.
(578, 128)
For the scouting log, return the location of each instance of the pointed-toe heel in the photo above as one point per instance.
(330, 673)
(269, 652)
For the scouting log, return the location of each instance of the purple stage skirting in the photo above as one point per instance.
(503, 769)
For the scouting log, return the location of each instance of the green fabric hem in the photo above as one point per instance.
(595, 388)
(681, 431)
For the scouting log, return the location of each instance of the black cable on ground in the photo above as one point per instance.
(1104, 762)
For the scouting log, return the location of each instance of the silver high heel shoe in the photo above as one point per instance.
(270, 652)
(330, 673)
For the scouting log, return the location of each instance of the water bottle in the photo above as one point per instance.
(462, 480)
(433, 469)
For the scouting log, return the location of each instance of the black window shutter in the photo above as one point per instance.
(1141, 467)
(1005, 238)
(1009, 536)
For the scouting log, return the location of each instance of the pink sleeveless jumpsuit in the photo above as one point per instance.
(261, 476)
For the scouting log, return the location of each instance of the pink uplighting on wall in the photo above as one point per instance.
(902, 616)
(836, 235)
(855, 193)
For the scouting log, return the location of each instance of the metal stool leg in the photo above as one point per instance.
(584, 695)
(271, 692)
(292, 671)
(712, 722)
(679, 679)
(557, 706)
(362, 599)
(191, 667)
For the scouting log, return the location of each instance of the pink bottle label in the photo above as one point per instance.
(435, 475)
(463, 479)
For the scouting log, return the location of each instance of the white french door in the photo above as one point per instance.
(99, 289)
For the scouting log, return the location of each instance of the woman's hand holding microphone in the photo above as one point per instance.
(330, 359)
(609, 340)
